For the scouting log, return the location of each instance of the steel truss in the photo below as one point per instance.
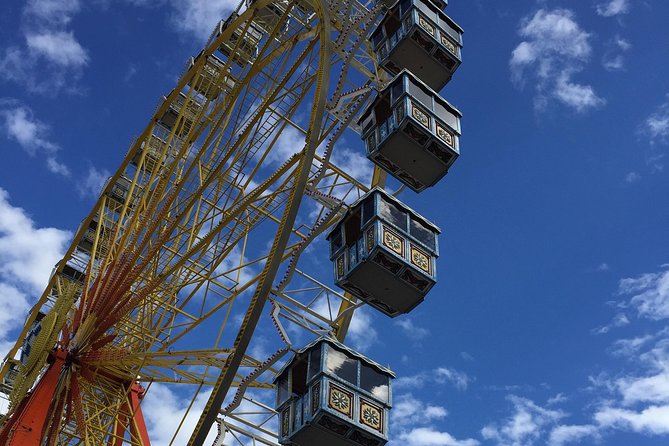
(203, 223)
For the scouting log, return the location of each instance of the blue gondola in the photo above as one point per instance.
(384, 253)
(416, 35)
(411, 132)
(329, 395)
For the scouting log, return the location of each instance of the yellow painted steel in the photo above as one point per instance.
(203, 222)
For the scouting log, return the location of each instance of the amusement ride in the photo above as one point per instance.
(195, 242)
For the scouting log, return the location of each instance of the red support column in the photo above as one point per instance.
(138, 425)
(27, 424)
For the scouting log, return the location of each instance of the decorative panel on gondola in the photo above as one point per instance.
(416, 35)
(411, 132)
(384, 253)
(329, 395)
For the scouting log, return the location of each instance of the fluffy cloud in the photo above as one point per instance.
(614, 59)
(412, 423)
(289, 142)
(425, 436)
(412, 330)
(198, 17)
(22, 127)
(361, 331)
(525, 426)
(651, 420)
(554, 49)
(27, 253)
(59, 47)
(31, 134)
(577, 96)
(27, 256)
(460, 380)
(354, 163)
(91, 185)
(649, 293)
(656, 126)
(562, 435)
(635, 400)
(612, 8)
(164, 409)
(48, 44)
(14, 303)
(408, 410)
(52, 12)
(619, 320)
(441, 375)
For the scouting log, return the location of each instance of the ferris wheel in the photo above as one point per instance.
(195, 241)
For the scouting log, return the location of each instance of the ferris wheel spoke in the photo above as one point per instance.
(207, 219)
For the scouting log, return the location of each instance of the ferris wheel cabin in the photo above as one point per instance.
(208, 82)
(411, 132)
(242, 46)
(416, 35)
(183, 112)
(329, 395)
(384, 253)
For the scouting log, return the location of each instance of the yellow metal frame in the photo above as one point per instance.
(163, 292)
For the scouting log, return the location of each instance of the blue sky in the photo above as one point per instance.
(549, 321)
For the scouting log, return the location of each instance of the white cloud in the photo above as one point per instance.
(27, 253)
(627, 347)
(557, 399)
(653, 385)
(614, 62)
(650, 293)
(27, 256)
(651, 420)
(164, 409)
(354, 163)
(457, 378)
(57, 167)
(656, 126)
(613, 59)
(408, 410)
(411, 330)
(51, 58)
(562, 435)
(361, 330)
(91, 185)
(577, 96)
(612, 8)
(426, 436)
(619, 320)
(554, 48)
(31, 134)
(59, 47)
(21, 126)
(14, 305)
(289, 142)
(441, 375)
(198, 17)
(603, 267)
(52, 12)
(632, 177)
(525, 426)
(645, 389)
